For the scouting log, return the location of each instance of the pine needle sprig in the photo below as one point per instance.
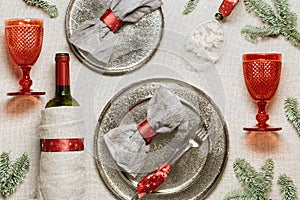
(190, 6)
(287, 188)
(292, 112)
(49, 9)
(256, 185)
(283, 21)
(237, 195)
(4, 167)
(12, 175)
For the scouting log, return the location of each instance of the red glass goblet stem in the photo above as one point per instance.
(262, 116)
(25, 81)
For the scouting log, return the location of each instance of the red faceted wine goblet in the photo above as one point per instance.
(262, 75)
(24, 38)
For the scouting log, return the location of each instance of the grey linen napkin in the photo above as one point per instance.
(94, 37)
(125, 143)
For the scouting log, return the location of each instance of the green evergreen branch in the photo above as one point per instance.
(292, 112)
(237, 195)
(287, 188)
(262, 9)
(283, 23)
(190, 6)
(50, 9)
(12, 175)
(252, 33)
(255, 185)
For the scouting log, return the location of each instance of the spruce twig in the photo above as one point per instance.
(50, 9)
(287, 188)
(283, 21)
(256, 185)
(190, 6)
(292, 112)
(12, 175)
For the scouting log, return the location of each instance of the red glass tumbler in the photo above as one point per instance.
(262, 75)
(24, 38)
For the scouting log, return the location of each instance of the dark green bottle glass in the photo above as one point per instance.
(63, 95)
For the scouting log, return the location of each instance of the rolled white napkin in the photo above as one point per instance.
(62, 162)
(96, 38)
(128, 143)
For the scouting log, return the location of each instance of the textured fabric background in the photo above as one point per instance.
(20, 116)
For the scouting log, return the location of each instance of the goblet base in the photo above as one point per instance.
(25, 93)
(268, 128)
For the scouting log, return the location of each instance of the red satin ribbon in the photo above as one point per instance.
(111, 20)
(154, 179)
(227, 6)
(62, 145)
(146, 130)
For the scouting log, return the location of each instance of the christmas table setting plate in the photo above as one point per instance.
(135, 42)
(196, 173)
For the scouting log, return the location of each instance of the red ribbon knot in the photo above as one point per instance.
(146, 130)
(111, 20)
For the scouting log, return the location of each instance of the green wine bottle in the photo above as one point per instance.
(63, 95)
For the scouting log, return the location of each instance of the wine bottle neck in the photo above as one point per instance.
(62, 76)
(62, 90)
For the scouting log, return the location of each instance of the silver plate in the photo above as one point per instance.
(196, 174)
(136, 42)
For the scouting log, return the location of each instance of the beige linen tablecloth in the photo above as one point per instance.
(20, 116)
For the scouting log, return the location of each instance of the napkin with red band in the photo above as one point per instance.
(128, 144)
(96, 36)
(62, 161)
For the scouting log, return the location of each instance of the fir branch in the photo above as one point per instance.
(288, 17)
(293, 36)
(237, 195)
(16, 172)
(252, 33)
(292, 112)
(255, 185)
(262, 9)
(50, 9)
(287, 188)
(190, 6)
(4, 167)
(283, 23)
(268, 172)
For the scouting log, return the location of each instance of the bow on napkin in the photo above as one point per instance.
(128, 143)
(96, 36)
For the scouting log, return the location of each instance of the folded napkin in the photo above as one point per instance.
(128, 143)
(62, 162)
(96, 36)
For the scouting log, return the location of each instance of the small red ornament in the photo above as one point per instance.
(146, 130)
(227, 6)
(154, 179)
(111, 20)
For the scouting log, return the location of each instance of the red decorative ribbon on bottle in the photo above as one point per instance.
(146, 130)
(154, 179)
(62, 145)
(111, 20)
(227, 6)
